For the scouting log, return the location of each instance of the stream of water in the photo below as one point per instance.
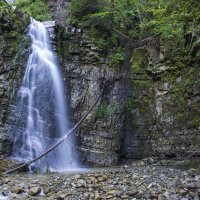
(42, 108)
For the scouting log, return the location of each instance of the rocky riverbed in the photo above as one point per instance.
(140, 180)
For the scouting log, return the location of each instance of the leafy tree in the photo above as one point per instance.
(175, 22)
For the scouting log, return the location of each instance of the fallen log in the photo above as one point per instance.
(62, 139)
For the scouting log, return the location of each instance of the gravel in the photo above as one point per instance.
(131, 182)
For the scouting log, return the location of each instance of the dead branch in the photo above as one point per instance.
(62, 139)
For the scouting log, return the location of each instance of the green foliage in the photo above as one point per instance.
(176, 23)
(2, 5)
(138, 60)
(38, 9)
(13, 18)
(79, 10)
(104, 14)
(99, 20)
(98, 37)
(117, 58)
(5, 9)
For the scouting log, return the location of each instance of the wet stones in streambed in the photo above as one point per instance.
(34, 191)
(18, 190)
(131, 182)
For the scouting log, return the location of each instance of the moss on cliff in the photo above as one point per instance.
(14, 46)
(166, 100)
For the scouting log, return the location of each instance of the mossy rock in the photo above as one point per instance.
(139, 61)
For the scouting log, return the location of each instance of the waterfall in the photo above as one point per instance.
(41, 108)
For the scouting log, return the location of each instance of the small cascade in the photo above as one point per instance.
(41, 108)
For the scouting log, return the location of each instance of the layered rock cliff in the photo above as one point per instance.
(13, 53)
(86, 69)
(165, 107)
(151, 106)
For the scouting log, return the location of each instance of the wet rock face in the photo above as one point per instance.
(164, 109)
(13, 54)
(154, 111)
(86, 69)
(58, 10)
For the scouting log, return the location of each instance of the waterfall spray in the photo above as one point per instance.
(42, 108)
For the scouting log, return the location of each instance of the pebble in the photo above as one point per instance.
(111, 192)
(34, 191)
(183, 192)
(18, 190)
(133, 182)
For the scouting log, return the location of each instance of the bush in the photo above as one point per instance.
(117, 57)
(38, 9)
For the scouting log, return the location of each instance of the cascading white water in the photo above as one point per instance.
(42, 108)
